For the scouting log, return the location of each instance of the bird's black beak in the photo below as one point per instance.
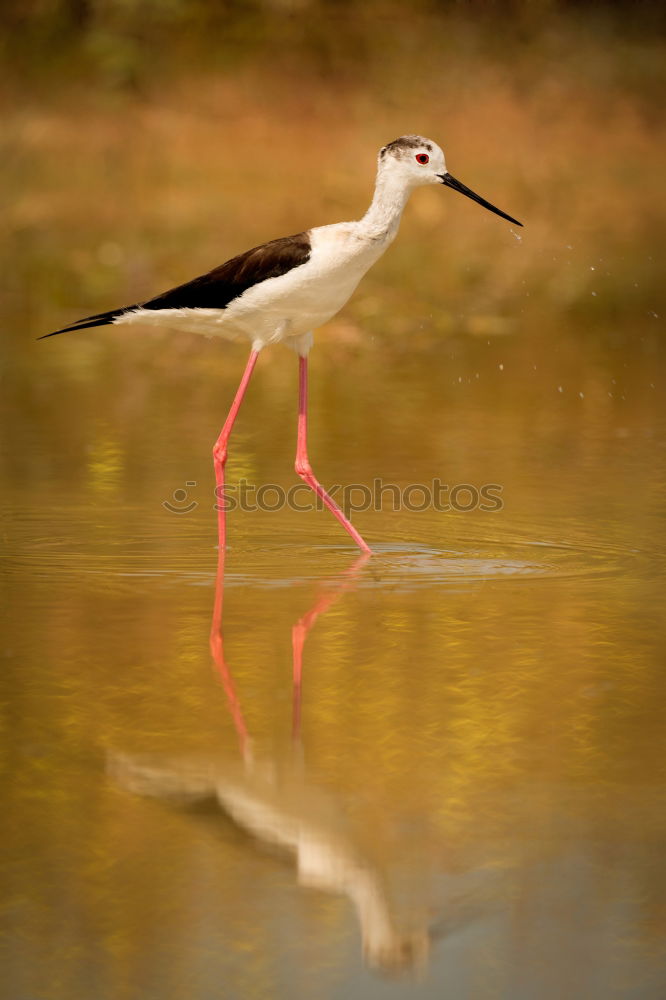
(451, 182)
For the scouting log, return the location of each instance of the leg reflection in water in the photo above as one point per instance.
(275, 801)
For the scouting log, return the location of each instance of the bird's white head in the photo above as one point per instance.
(414, 161)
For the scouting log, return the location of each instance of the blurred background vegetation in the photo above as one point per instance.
(144, 141)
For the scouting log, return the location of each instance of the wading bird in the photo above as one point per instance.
(284, 289)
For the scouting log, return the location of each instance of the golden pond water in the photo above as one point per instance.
(463, 797)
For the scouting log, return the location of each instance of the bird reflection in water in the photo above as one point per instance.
(274, 800)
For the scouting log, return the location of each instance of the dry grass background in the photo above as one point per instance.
(135, 156)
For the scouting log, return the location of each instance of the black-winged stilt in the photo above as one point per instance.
(284, 289)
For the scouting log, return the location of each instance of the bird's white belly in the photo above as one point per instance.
(298, 302)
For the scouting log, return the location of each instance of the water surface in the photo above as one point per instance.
(462, 791)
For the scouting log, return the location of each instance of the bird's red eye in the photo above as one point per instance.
(422, 158)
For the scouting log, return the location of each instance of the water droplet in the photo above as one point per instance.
(560, 389)
(501, 367)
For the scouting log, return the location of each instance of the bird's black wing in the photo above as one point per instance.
(223, 284)
(219, 287)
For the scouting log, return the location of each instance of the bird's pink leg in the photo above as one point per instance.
(303, 467)
(217, 651)
(300, 630)
(220, 448)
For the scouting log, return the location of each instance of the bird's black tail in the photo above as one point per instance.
(101, 319)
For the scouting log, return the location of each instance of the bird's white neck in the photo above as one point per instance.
(382, 219)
